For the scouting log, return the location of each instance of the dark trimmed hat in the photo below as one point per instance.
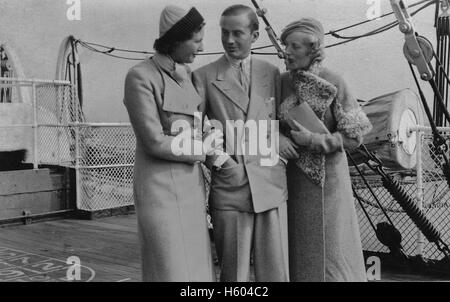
(177, 22)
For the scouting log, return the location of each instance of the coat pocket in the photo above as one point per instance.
(230, 177)
(230, 189)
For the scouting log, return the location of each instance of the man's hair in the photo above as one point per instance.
(167, 46)
(238, 9)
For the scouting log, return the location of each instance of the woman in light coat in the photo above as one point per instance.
(324, 239)
(169, 187)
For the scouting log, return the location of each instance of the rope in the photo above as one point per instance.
(411, 209)
(439, 144)
(408, 205)
(381, 29)
(438, 140)
(359, 199)
(108, 49)
(371, 33)
(371, 20)
(442, 66)
(370, 188)
(87, 46)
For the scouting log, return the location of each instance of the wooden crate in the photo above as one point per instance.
(32, 192)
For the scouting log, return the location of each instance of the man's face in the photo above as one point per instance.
(237, 37)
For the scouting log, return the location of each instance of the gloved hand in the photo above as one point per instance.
(229, 163)
(302, 136)
(323, 143)
(287, 148)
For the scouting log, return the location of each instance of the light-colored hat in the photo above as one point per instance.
(176, 19)
(170, 15)
(306, 25)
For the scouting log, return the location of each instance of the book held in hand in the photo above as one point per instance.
(305, 116)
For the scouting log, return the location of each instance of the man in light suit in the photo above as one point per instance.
(247, 199)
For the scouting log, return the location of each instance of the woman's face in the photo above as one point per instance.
(298, 51)
(186, 52)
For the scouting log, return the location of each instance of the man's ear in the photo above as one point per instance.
(255, 36)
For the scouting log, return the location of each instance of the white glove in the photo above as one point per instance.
(302, 137)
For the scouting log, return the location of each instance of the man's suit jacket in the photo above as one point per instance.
(247, 186)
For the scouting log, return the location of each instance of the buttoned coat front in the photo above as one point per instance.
(168, 188)
(252, 185)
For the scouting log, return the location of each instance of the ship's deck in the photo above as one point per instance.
(107, 248)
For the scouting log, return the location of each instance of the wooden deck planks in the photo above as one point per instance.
(108, 247)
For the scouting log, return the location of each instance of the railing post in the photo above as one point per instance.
(77, 147)
(35, 127)
(59, 92)
(419, 192)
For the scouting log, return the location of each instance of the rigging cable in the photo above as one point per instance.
(439, 146)
(406, 203)
(386, 232)
(379, 30)
(108, 49)
(443, 63)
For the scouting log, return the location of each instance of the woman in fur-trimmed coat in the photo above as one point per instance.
(324, 239)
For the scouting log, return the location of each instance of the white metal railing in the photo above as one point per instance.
(420, 131)
(426, 184)
(419, 187)
(31, 81)
(34, 125)
(102, 154)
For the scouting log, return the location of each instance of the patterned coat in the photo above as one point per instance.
(324, 239)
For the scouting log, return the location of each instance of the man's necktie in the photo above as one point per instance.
(245, 83)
